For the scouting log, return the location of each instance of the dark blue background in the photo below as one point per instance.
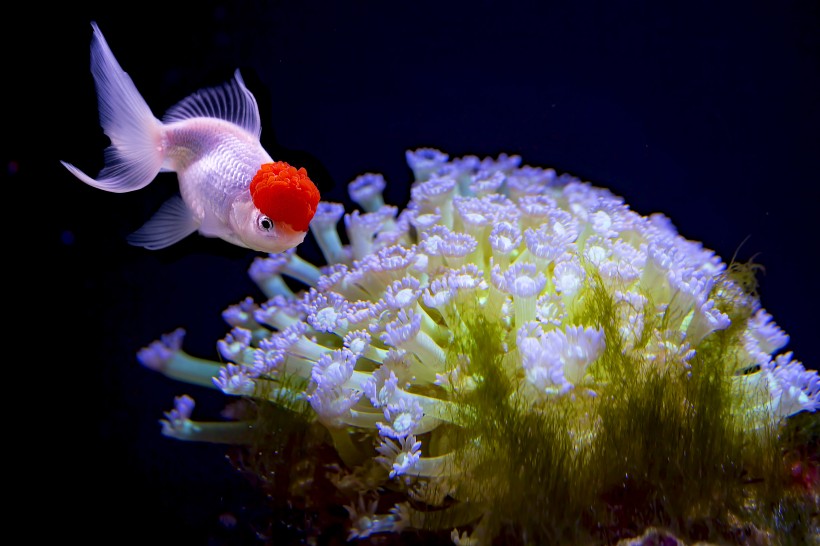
(705, 111)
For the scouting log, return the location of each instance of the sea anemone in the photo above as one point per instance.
(515, 357)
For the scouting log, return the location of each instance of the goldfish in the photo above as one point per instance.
(229, 186)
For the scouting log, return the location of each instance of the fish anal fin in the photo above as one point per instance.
(170, 224)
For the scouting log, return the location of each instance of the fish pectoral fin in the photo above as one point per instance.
(170, 224)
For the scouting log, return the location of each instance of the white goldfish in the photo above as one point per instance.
(230, 187)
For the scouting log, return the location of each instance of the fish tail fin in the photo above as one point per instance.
(135, 155)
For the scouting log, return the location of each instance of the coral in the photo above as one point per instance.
(515, 357)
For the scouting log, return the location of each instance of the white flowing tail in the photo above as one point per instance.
(135, 155)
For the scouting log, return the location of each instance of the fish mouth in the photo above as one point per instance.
(290, 239)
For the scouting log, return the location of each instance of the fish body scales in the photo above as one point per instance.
(214, 161)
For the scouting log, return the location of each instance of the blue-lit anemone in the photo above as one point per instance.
(515, 357)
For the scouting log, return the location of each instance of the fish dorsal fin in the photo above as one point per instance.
(231, 101)
(170, 224)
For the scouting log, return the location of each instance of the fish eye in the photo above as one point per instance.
(265, 223)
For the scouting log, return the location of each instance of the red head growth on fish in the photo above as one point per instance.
(285, 194)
